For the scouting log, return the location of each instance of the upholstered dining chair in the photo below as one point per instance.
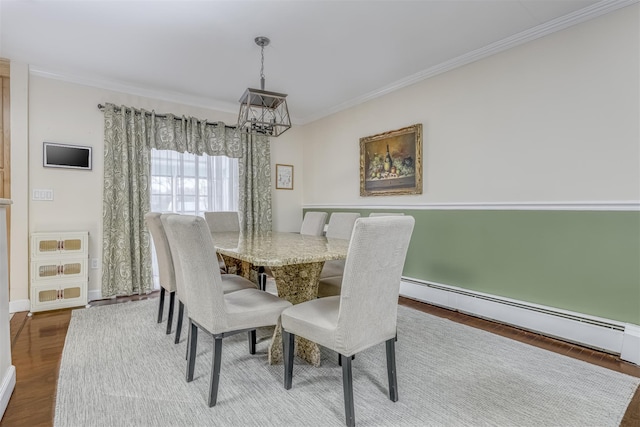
(340, 227)
(365, 313)
(230, 282)
(210, 309)
(222, 221)
(165, 265)
(386, 214)
(313, 223)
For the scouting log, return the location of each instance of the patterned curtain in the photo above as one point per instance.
(126, 258)
(254, 168)
(129, 136)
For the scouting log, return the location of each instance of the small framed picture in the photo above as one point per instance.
(284, 177)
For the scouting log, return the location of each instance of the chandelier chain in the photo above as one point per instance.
(262, 63)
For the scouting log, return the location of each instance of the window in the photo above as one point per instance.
(188, 184)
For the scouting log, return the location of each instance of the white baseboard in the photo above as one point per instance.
(94, 295)
(598, 333)
(6, 388)
(19, 305)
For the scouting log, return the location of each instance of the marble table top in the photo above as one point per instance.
(275, 249)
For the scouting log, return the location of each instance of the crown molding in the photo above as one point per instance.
(625, 205)
(116, 86)
(558, 24)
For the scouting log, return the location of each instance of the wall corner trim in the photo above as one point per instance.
(6, 388)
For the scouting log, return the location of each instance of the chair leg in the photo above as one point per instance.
(391, 369)
(179, 323)
(252, 341)
(347, 385)
(161, 307)
(353, 356)
(172, 299)
(215, 370)
(288, 342)
(191, 350)
(262, 279)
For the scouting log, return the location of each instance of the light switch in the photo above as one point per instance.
(42, 194)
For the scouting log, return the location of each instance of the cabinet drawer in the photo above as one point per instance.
(56, 244)
(53, 268)
(60, 294)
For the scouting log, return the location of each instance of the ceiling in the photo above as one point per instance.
(326, 55)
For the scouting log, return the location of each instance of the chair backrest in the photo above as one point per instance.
(166, 271)
(341, 224)
(386, 214)
(194, 256)
(222, 221)
(313, 223)
(371, 281)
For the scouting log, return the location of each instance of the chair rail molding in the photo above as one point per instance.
(616, 205)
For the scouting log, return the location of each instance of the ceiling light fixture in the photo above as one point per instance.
(262, 111)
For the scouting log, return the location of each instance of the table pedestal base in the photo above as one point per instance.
(296, 283)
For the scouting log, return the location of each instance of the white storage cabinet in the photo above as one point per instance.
(59, 276)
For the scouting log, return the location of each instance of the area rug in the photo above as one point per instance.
(119, 368)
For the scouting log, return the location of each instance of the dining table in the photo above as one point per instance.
(295, 261)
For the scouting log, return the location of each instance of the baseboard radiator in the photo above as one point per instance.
(589, 331)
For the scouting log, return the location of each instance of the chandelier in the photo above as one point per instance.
(262, 111)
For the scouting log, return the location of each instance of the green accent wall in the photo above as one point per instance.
(583, 261)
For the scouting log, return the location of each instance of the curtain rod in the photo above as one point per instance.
(163, 116)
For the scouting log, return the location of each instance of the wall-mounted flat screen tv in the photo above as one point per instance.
(66, 156)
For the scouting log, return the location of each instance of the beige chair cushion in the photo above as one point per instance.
(252, 308)
(316, 320)
(233, 282)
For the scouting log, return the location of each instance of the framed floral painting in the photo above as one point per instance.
(391, 162)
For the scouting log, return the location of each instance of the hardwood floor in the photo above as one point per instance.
(37, 343)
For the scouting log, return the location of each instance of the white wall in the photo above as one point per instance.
(553, 120)
(287, 149)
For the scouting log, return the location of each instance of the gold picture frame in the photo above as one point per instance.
(391, 162)
(284, 177)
